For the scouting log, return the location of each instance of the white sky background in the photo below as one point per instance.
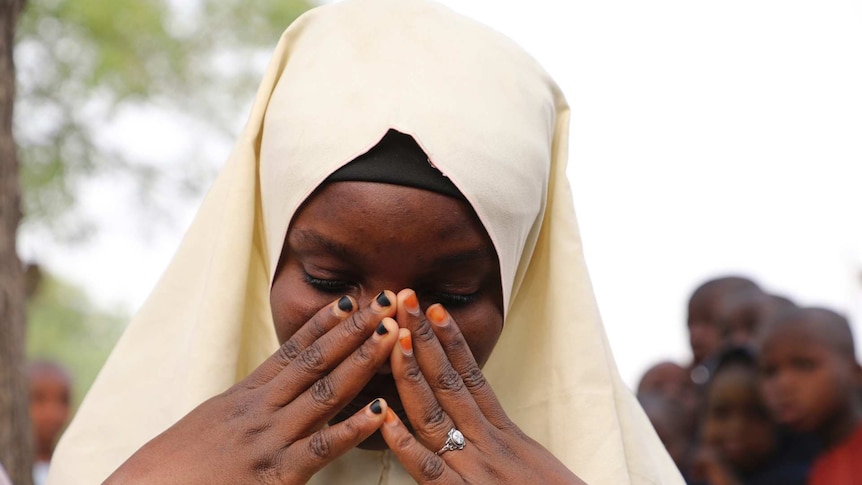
(707, 138)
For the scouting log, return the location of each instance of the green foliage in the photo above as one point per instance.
(63, 325)
(82, 61)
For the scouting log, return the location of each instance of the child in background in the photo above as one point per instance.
(744, 312)
(740, 443)
(675, 433)
(811, 383)
(705, 335)
(666, 378)
(671, 381)
(50, 397)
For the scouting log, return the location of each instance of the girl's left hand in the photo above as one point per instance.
(442, 388)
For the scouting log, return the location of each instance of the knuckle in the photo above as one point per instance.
(240, 407)
(404, 442)
(266, 469)
(253, 432)
(413, 373)
(318, 329)
(434, 417)
(349, 431)
(449, 380)
(356, 324)
(362, 356)
(456, 345)
(312, 358)
(320, 445)
(322, 392)
(288, 352)
(431, 467)
(474, 379)
(423, 332)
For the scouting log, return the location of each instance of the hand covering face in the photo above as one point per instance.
(491, 120)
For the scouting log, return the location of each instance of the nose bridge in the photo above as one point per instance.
(390, 277)
(736, 424)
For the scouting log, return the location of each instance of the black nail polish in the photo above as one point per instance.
(376, 408)
(381, 329)
(344, 304)
(383, 300)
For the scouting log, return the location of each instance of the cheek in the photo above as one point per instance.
(293, 302)
(481, 330)
(712, 431)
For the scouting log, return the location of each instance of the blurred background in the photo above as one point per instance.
(707, 138)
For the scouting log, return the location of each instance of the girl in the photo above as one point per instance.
(395, 209)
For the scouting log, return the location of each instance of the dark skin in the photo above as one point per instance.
(703, 332)
(809, 378)
(356, 238)
(738, 436)
(50, 407)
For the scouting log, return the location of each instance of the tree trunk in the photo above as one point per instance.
(16, 450)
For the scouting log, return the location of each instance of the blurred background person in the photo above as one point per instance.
(740, 442)
(705, 309)
(811, 383)
(50, 410)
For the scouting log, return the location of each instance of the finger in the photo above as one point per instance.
(328, 351)
(462, 360)
(447, 385)
(309, 455)
(322, 321)
(426, 416)
(421, 463)
(331, 392)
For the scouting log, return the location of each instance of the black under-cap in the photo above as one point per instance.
(398, 160)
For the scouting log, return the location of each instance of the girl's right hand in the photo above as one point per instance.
(271, 426)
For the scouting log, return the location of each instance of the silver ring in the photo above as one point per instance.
(454, 441)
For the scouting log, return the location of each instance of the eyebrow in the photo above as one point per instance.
(466, 257)
(308, 238)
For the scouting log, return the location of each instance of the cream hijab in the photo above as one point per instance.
(492, 121)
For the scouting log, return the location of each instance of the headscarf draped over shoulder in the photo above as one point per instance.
(489, 118)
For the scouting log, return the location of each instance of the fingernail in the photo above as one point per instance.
(411, 304)
(406, 342)
(438, 315)
(381, 329)
(345, 305)
(383, 300)
(375, 407)
(391, 419)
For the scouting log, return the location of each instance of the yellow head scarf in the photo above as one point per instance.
(491, 120)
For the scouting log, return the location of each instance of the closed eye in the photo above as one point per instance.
(454, 300)
(327, 285)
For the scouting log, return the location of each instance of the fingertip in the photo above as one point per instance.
(437, 315)
(377, 408)
(408, 300)
(405, 342)
(383, 302)
(391, 418)
(343, 306)
(390, 324)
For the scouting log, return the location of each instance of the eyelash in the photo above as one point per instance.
(455, 300)
(327, 286)
(451, 300)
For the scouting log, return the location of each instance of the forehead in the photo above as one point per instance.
(733, 381)
(796, 335)
(372, 217)
(381, 201)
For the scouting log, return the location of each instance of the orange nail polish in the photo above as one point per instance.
(390, 419)
(411, 304)
(406, 344)
(438, 315)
